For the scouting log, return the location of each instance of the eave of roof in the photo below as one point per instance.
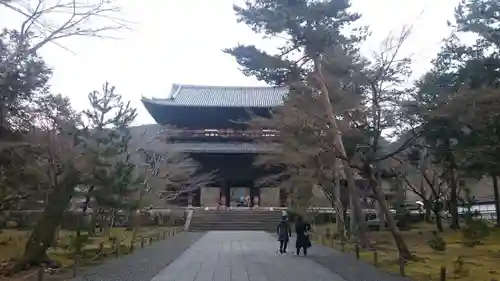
(229, 148)
(221, 96)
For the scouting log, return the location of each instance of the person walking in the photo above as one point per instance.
(284, 233)
(302, 230)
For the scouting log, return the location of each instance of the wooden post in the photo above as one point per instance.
(401, 266)
(356, 248)
(375, 258)
(117, 249)
(328, 236)
(40, 273)
(442, 274)
(101, 249)
(75, 265)
(150, 240)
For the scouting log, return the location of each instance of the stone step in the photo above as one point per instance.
(238, 214)
(234, 220)
(235, 223)
(234, 228)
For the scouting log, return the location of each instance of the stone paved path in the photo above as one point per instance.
(232, 256)
(242, 256)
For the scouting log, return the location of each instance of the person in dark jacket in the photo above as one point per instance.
(284, 233)
(303, 241)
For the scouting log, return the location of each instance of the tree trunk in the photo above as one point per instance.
(81, 220)
(428, 211)
(353, 225)
(437, 213)
(381, 216)
(403, 249)
(112, 219)
(93, 222)
(437, 207)
(338, 144)
(111, 222)
(136, 215)
(453, 205)
(42, 236)
(339, 207)
(497, 199)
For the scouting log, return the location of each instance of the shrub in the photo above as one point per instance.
(459, 268)
(324, 218)
(403, 221)
(474, 231)
(436, 242)
(319, 218)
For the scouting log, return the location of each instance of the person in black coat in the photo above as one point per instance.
(284, 233)
(303, 241)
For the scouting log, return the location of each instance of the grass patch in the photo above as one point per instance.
(479, 263)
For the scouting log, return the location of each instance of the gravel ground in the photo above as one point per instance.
(348, 267)
(143, 264)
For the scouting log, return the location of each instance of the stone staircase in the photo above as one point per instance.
(206, 220)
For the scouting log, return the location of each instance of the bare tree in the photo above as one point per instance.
(430, 185)
(179, 173)
(382, 97)
(49, 21)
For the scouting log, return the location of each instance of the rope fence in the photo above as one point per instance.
(118, 249)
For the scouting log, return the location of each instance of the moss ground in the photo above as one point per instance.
(479, 263)
(12, 243)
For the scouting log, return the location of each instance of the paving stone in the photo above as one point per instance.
(143, 264)
(242, 256)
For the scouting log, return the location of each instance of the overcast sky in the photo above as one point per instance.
(180, 41)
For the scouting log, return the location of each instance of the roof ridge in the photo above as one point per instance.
(174, 92)
(226, 87)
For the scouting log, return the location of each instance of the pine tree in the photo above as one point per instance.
(312, 36)
(107, 137)
(106, 143)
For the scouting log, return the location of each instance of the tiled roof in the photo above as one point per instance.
(219, 96)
